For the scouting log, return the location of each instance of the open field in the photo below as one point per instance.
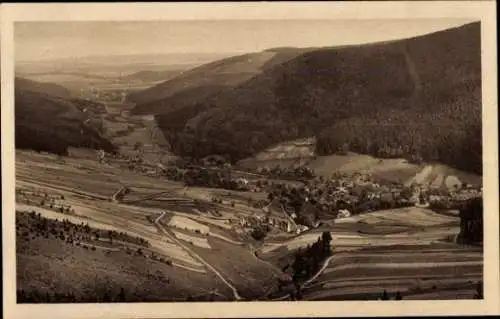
(89, 176)
(417, 260)
(200, 224)
(186, 223)
(405, 226)
(409, 216)
(136, 219)
(373, 251)
(240, 267)
(101, 213)
(411, 271)
(194, 240)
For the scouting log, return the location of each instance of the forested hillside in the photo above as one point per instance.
(206, 81)
(41, 87)
(45, 122)
(419, 98)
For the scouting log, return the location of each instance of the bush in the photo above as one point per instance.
(259, 233)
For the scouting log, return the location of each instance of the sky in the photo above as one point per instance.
(52, 40)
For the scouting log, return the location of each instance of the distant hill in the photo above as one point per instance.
(113, 65)
(418, 98)
(152, 76)
(47, 119)
(198, 84)
(41, 87)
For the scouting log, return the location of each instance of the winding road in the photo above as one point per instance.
(196, 256)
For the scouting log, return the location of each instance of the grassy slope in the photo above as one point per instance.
(292, 153)
(50, 265)
(370, 257)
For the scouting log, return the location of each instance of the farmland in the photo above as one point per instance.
(41, 177)
(207, 254)
(415, 258)
(335, 173)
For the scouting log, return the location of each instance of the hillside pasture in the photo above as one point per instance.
(415, 258)
(239, 266)
(107, 221)
(408, 216)
(388, 169)
(46, 265)
(187, 223)
(406, 226)
(439, 175)
(67, 178)
(190, 238)
(364, 274)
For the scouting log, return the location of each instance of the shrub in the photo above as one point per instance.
(259, 233)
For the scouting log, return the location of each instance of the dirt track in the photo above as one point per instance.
(192, 253)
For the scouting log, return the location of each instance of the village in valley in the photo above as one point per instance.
(119, 202)
(265, 208)
(296, 199)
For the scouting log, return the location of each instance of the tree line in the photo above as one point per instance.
(471, 222)
(34, 224)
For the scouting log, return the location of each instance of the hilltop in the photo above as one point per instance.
(47, 119)
(151, 76)
(41, 87)
(196, 85)
(417, 98)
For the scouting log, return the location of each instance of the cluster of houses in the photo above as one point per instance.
(344, 195)
(274, 218)
(280, 224)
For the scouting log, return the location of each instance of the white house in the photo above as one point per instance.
(343, 213)
(242, 181)
(301, 229)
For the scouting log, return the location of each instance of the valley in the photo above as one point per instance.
(235, 179)
(370, 252)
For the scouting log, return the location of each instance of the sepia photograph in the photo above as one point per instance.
(286, 160)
